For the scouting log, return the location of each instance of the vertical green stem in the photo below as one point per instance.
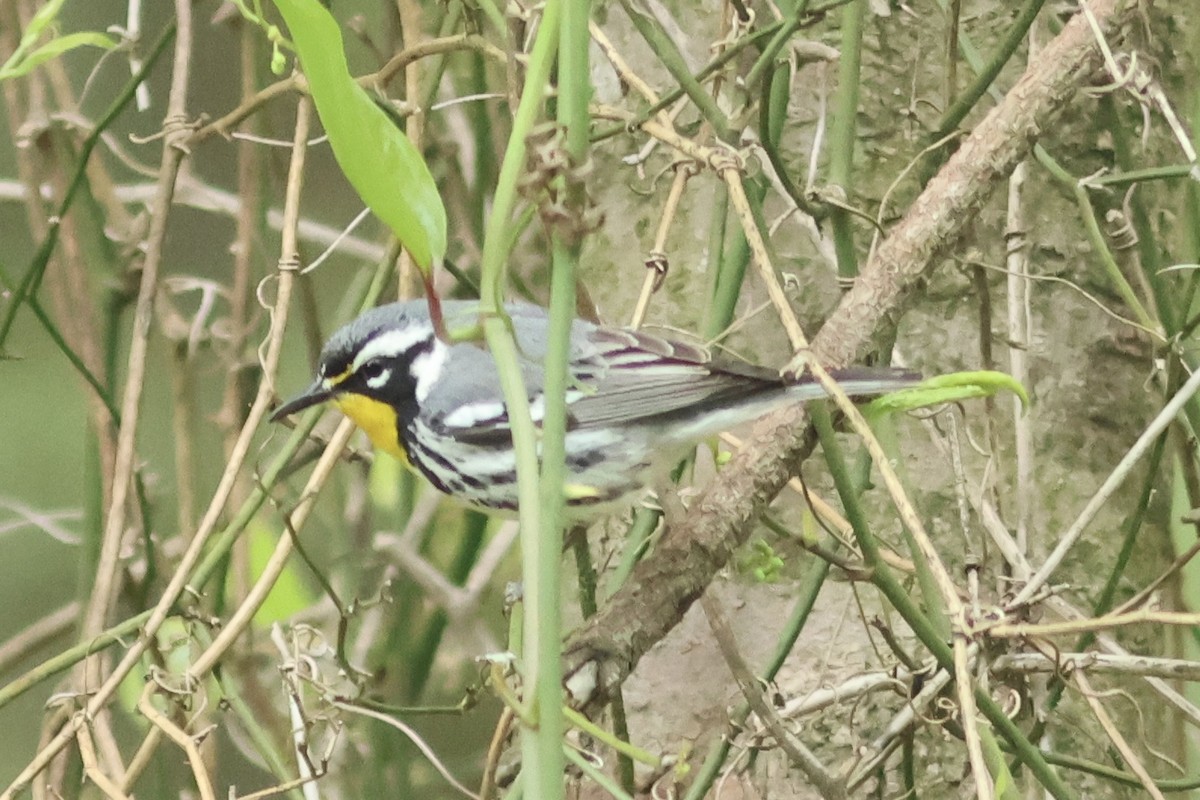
(541, 747)
(843, 131)
(544, 748)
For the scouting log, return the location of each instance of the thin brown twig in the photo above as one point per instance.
(408, 274)
(180, 737)
(1021, 630)
(244, 613)
(107, 572)
(964, 685)
(246, 236)
(731, 172)
(487, 784)
(420, 743)
(796, 750)
(191, 557)
(871, 756)
(280, 788)
(728, 167)
(91, 767)
(37, 633)
(296, 82)
(657, 264)
(174, 151)
(1114, 735)
(1177, 669)
(142, 758)
(289, 261)
(1147, 592)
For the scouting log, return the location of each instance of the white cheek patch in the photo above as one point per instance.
(380, 380)
(389, 345)
(426, 369)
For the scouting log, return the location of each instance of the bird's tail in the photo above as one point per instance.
(856, 382)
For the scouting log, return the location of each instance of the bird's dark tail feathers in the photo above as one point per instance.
(857, 382)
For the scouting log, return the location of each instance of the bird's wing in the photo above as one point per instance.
(619, 377)
(636, 378)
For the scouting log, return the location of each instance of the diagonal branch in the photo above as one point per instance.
(662, 587)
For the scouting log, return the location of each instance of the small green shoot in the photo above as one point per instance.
(943, 389)
(29, 54)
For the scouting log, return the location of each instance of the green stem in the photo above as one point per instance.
(541, 746)
(56, 336)
(766, 60)
(604, 737)
(772, 116)
(842, 134)
(1095, 235)
(1124, 178)
(987, 73)
(885, 581)
(259, 736)
(668, 53)
(1148, 245)
(574, 94)
(595, 775)
(633, 546)
(670, 97)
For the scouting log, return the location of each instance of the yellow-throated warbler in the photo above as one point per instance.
(636, 400)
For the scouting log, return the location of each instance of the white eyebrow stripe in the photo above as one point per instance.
(389, 345)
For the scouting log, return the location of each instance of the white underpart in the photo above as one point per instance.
(472, 414)
(380, 380)
(597, 439)
(427, 369)
(389, 345)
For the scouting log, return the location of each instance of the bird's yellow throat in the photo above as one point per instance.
(377, 419)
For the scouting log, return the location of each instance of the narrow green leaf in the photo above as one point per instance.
(45, 16)
(950, 388)
(53, 49)
(377, 158)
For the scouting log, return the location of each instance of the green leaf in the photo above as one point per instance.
(45, 16)
(948, 389)
(21, 63)
(377, 158)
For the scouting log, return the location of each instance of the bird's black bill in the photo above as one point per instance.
(311, 396)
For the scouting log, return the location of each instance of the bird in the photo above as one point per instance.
(636, 401)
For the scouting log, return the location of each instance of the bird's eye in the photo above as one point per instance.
(372, 370)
